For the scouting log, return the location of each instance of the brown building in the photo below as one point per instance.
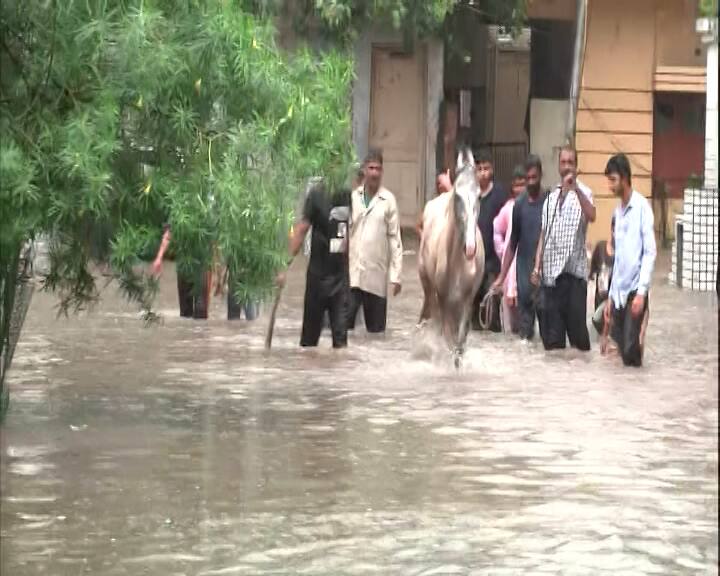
(642, 93)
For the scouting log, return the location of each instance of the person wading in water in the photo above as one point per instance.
(526, 225)
(326, 287)
(375, 247)
(492, 199)
(503, 231)
(635, 252)
(561, 259)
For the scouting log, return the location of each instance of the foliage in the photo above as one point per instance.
(117, 117)
(418, 18)
(707, 8)
(184, 112)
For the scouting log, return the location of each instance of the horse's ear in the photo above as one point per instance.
(459, 164)
(470, 157)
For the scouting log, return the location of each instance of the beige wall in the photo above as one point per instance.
(676, 42)
(551, 9)
(626, 42)
(547, 134)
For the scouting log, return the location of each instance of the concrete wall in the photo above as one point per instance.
(551, 9)
(434, 88)
(697, 254)
(361, 98)
(625, 44)
(711, 117)
(362, 52)
(547, 134)
(676, 42)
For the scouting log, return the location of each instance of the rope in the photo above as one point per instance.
(487, 310)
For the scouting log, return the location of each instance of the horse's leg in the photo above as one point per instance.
(458, 330)
(425, 311)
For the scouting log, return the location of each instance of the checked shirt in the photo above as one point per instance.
(565, 229)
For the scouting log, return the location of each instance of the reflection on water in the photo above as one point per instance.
(186, 449)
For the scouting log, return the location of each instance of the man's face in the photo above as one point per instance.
(567, 163)
(615, 184)
(533, 180)
(443, 183)
(373, 173)
(484, 174)
(518, 186)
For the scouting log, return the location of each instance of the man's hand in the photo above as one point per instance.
(638, 306)
(497, 286)
(397, 288)
(280, 279)
(156, 268)
(535, 277)
(568, 182)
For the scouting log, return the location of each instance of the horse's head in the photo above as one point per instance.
(465, 201)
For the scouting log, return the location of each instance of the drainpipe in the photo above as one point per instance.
(578, 56)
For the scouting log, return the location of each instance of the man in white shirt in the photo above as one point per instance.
(561, 259)
(375, 247)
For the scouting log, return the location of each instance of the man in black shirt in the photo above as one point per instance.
(327, 284)
(492, 199)
(526, 226)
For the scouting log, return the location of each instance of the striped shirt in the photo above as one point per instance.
(565, 229)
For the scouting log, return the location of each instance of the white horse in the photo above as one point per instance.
(452, 257)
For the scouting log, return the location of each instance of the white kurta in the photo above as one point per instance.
(375, 243)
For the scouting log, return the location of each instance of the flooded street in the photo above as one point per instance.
(185, 449)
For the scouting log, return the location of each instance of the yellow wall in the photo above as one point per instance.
(626, 40)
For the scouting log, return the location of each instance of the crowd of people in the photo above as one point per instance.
(536, 265)
(535, 255)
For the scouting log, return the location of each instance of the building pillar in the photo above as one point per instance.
(708, 30)
(711, 117)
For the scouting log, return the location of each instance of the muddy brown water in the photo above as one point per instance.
(185, 449)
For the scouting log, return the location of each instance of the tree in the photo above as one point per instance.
(116, 117)
(417, 18)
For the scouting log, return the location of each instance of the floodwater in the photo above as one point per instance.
(185, 449)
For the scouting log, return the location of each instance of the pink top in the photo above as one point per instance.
(502, 227)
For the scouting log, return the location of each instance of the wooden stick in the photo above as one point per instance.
(273, 312)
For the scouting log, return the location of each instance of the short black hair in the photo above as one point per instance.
(620, 165)
(519, 172)
(484, 156)
(374, 155)
(533, 161)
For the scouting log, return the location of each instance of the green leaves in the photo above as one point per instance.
(157, 111)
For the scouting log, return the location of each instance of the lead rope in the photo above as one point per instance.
(487, 310)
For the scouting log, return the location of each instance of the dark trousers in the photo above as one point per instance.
(235, 307)
(374, 310)
(193, 296)
(318, 300)
(563, 315)
(527, 312)
(495, 323)
(626, 331)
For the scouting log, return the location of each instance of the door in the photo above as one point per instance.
(397, 126)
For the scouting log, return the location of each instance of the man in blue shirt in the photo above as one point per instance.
(635, 253)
